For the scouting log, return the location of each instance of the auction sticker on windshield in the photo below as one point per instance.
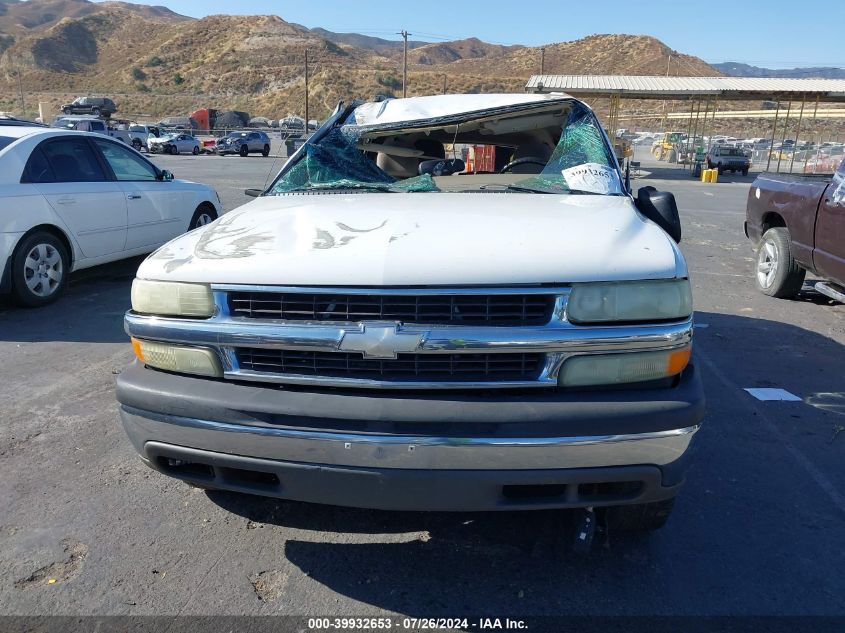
(592, 177)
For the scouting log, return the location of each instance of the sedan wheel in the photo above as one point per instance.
(174, 150)
(39, 270)
(195, 151)
(202, 216)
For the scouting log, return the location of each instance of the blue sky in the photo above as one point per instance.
(773, 33)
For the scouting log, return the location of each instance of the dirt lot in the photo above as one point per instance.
(86, 528)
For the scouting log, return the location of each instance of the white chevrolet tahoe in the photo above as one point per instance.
(440, 303)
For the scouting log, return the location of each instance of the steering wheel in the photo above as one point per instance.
(527, 160)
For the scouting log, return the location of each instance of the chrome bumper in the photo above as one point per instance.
(406, 452)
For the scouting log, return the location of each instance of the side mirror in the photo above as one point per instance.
(441, 167)
(660, 207)
(165, 176)
(253, 193)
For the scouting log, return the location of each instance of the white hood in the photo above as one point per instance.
(434, 239)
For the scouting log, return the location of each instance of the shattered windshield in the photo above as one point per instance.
(555, 147)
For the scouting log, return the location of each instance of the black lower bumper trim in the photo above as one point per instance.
(412, 490)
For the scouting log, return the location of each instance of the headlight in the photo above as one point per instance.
(168, 298)
(630, 301)
(199, 361)
(615, 369)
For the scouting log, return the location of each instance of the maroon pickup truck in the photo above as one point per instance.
(796, 224)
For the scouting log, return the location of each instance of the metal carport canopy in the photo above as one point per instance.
(723, 88)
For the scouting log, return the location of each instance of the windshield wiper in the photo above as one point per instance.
(369, 187)
(564, 192)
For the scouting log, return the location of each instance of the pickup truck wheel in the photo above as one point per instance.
(202, 216)
(39, 270)
(266, 151)
(778, 274)
(67, 110)
(745, 172)
(640, 517)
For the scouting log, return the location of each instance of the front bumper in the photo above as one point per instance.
(415, 452)
(7, 247)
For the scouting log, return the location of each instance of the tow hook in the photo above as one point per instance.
(585, 531)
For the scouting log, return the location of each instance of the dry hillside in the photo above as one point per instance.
(155, 62)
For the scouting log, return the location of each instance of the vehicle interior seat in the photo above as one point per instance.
(396, 163)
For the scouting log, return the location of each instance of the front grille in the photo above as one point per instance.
(406, 367)
(464, 309)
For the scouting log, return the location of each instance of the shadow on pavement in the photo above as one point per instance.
(90, 311)
(750, 525)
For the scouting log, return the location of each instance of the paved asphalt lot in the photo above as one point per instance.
(758, 529)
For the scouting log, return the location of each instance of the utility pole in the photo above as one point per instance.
(306, 93)
(542, 60)
(663, 118)
(20, 87)
(444, 84)
(404, 35)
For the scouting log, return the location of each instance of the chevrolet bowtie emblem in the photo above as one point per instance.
(380, 341)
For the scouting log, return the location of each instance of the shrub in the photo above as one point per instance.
(138, 74)
(389, 81)
(178, 80)
(154, 61)
(143, 88)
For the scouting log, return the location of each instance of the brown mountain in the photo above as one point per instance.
(156, 62)
(448, 52)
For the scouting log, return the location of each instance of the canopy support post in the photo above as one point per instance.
(772, 142)
(783, 138)
(807, 155)
(797, 132)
